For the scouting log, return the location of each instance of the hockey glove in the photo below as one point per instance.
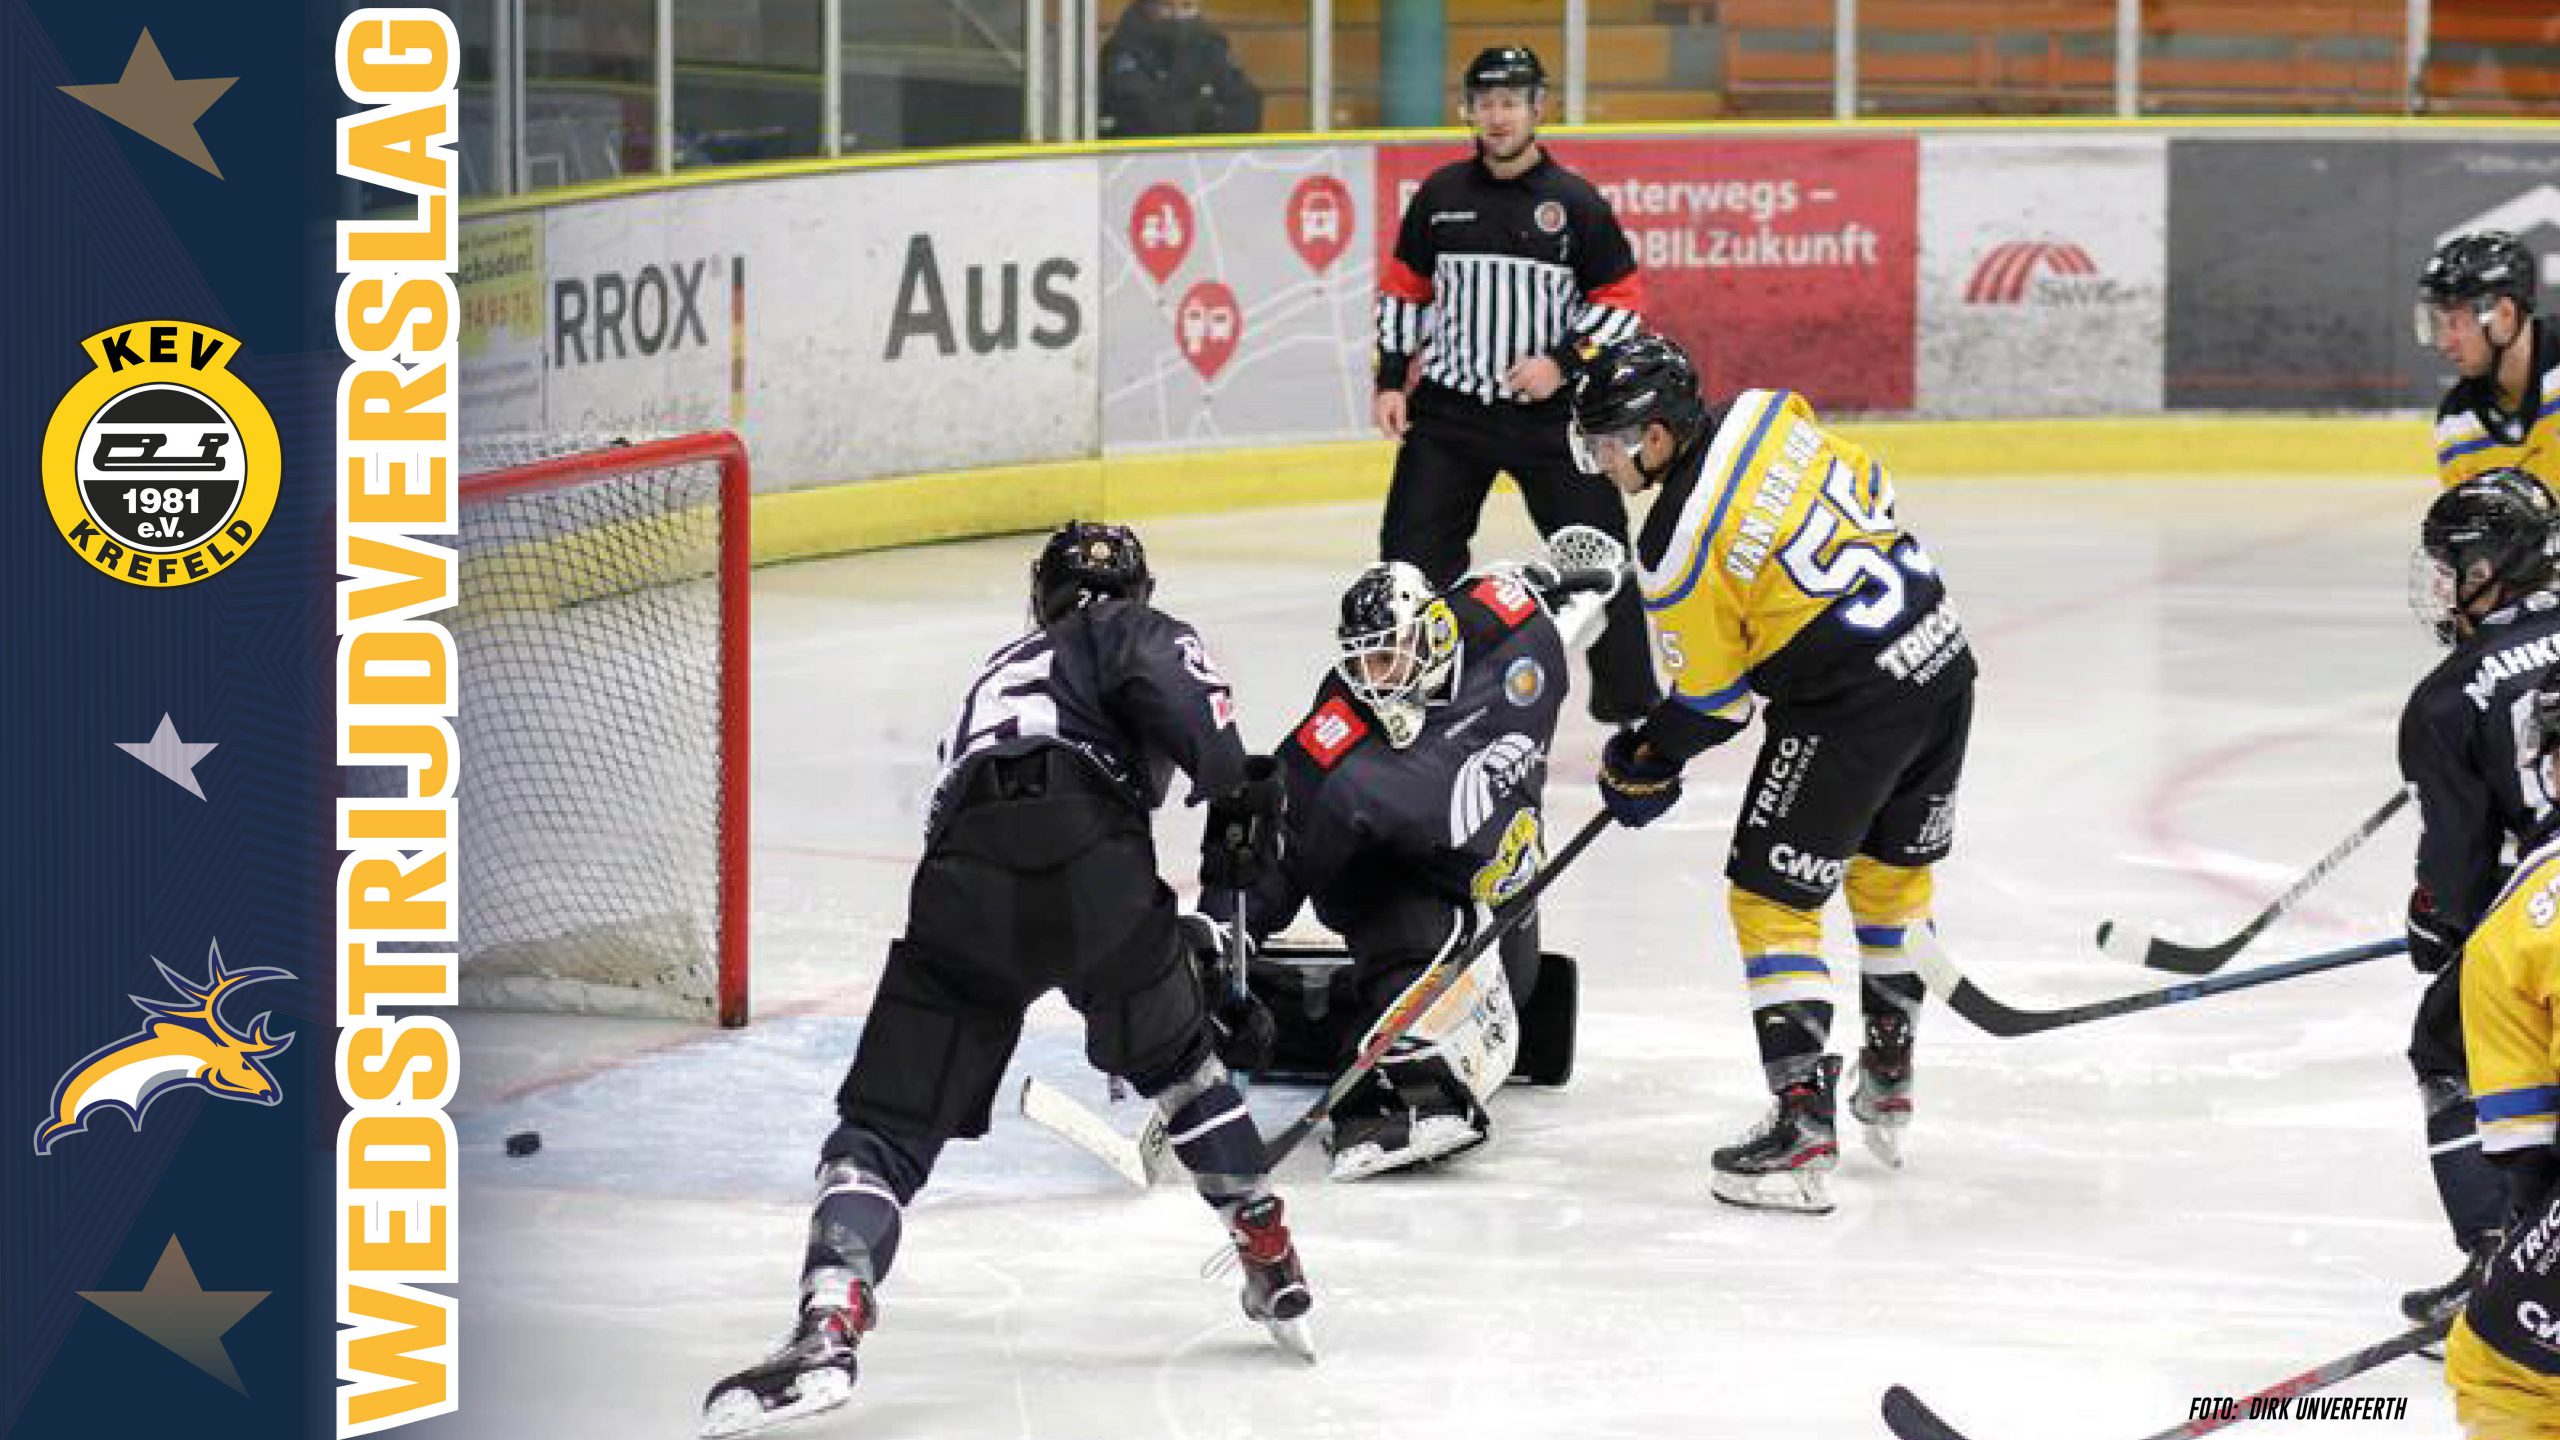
(2432, 944)
(1636, 785)
(1241, 1027)
(1242, 838)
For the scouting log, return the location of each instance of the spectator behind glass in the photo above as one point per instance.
(1166, 71)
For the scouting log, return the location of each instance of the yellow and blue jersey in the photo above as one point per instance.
(2511, 1008)
(1772, 563)
(2475, 433)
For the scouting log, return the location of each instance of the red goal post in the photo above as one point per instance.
(602, 639)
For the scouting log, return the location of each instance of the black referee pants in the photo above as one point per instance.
(1445, 467)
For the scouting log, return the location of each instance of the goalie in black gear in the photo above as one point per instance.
(2481, 580)
(1039, 872)
(1413, 809)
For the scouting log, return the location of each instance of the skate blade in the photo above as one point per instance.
(739, 1410)
(1885, 1143)
(1799, 1192)
(1297, 1336)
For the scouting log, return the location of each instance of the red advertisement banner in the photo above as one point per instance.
(1779, 261)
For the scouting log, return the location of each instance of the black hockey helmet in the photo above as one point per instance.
(1627, 384)
(1504, 67)
(2498, 528)
(2476, 269)
(1084, 561)
(1397, 645)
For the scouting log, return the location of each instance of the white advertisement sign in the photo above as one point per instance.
(1236, 297)
(2042, 274)
(850, 325)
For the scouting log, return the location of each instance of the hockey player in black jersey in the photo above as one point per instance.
(1039, 872)
(1414, 790)
(2482, 579)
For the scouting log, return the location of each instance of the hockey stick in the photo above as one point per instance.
(1966, 998)
(1906, 1417)
(2141, 947)
(1425, 993)
(1139, 1159)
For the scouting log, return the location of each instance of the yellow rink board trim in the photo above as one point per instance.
(957, 505)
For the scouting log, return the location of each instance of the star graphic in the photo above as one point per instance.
(181, 1314)
(169, 755)
(157, 105)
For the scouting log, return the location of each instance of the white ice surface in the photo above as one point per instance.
(2188, 693)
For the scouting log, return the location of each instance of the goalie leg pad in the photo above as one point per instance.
(933, 1049)
(1547, 1023)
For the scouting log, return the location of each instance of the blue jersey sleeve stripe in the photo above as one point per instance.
(2525, 1104)
(1718, 699)
(2456, 452)
(1728, 483)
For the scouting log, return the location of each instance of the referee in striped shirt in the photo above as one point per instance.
(1506, 264)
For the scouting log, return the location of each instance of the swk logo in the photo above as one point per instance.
(2053, 272)
(185, 1046)
(614, 316)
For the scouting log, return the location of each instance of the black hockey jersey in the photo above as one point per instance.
(1129, 688)
(2463, 750)
(1455, 813)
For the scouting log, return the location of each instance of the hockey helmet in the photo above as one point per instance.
(1628, 384)
(2498, 528)
(1085, 561)
(1505, 67)
(2475, 269)
(1399, 646)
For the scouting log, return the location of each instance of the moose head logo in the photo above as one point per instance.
(184, 1044)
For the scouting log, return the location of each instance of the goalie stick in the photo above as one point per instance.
(2141, 947)
(1909, 1419)
(1425, 992)
(1968, 1000)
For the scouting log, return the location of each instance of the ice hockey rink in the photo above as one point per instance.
(2189, 690)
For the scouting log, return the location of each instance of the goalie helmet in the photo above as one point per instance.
(1083, 562)
(1628, 384)
(2475, 269)
(1399, 645)
(2495, 529)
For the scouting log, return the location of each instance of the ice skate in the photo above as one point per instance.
(1275, 1288)
(810, 1372)
(1785, 1161)
(1881, 1103)
(2443, 1302)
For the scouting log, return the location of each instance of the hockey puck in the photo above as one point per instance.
(524, 1142)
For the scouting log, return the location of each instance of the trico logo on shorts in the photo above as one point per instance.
(1330, 733)
(160, 466)
(1804, 869)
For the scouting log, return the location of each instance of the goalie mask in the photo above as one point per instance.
(1399, 645)
(2485, 542)
(1084, 562)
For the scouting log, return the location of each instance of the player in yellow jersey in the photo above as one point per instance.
(2475, 307)
(1772, 566)
(2503, 1358)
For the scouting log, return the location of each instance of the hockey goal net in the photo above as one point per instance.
(602, 642)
